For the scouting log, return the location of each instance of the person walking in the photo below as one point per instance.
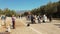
(3, 18)
(13, 21)
(39, 19)
(50, 18)
(32, 19)
(44, 18)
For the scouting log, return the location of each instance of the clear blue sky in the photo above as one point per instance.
(23, 4)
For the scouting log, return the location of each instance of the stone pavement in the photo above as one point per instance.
(43, 28)
(47, 28)
(21, 28)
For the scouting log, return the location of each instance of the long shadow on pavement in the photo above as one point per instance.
(57, 25)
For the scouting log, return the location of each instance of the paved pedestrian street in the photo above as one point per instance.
(43, 28)
(22, 29)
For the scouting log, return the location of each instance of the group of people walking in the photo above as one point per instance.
(8, 27)
(30, 17)
(38, 18)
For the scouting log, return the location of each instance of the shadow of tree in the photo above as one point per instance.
(57, 25)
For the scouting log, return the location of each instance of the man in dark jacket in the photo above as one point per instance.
(32, 19)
